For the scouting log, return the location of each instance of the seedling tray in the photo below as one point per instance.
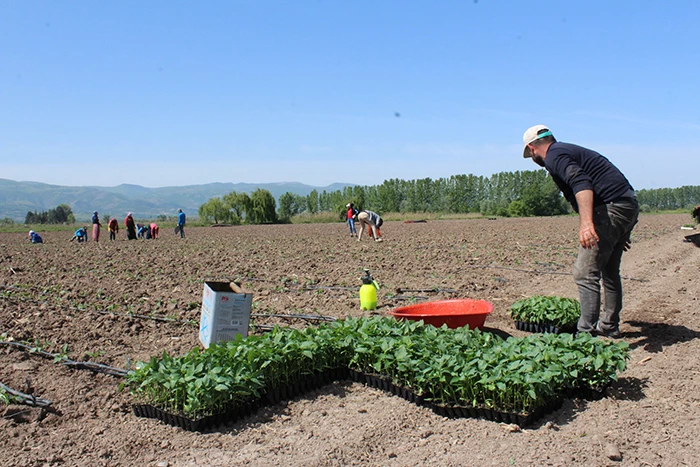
(237, 412)
(277, 395)
(200, 423)
(544, 327)
(454, 411)
(486, 413)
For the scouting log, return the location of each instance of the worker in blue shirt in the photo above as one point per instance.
(181, 220)
(81, 235)
(35, 237)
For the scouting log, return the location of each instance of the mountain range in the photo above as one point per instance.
(18, 198)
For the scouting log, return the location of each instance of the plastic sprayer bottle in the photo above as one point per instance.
(368, 292)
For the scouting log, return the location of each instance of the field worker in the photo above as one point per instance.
(113, 227)
(35, 237)
(373, 221)
(130, 227)
(141, 230)
(152, 230)
(608, 210)
(81, 235)
(181, 220)
(352, 212)
(96, 227)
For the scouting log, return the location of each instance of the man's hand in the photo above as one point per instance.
(587, 236)
(627, 245)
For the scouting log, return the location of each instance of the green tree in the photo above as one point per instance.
(238, 204)
(263, 208)
(312, 202)
(389, 196)
(213, 210)
(539, 197)
(61, 214)
(290, 205)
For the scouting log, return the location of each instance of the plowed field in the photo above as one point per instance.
(119, 302)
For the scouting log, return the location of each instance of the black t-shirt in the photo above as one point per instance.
(575, 168)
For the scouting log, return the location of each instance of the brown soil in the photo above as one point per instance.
(87, 296)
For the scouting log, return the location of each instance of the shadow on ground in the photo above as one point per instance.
(653, 337)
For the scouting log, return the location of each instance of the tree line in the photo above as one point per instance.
(61, 214)
(517, 194)
(663, 199)
(521, 193)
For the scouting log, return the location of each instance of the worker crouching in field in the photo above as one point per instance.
(152, 231)
(373, 222)
(141, 230)
(35, 237)
(81, 235)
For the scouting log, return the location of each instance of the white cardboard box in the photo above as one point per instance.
(225, 313)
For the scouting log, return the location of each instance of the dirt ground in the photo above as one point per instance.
(120, 302)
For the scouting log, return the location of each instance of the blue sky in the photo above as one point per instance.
(169, 93)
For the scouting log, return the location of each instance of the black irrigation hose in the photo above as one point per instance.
(434, 289)
(408, 297)
(293, 316)
(115, 313)
(190, 321)
(26, 399)
(96, 367)
(134, 315)
(328, 287)
(535, 271)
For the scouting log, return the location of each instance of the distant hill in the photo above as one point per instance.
(18, 198)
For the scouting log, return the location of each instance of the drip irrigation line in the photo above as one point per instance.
(535, 271)
(328, 287)
(434, 289)
(408, 297)
(108, 312)
(26, 399)
(21, 412)
(293, 316)
(188, 321)
(96, 367)
(151, 317)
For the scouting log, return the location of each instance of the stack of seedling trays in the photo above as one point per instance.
(541, 313)
(455, 372)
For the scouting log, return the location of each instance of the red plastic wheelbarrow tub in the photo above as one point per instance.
(454, 313)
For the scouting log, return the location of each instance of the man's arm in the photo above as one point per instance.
(587, 235)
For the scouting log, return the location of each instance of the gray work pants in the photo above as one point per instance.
(613, 224)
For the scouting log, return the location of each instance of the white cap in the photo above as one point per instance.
(348, 205)
(533, 134)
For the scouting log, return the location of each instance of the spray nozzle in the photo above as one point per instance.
(368, 279)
